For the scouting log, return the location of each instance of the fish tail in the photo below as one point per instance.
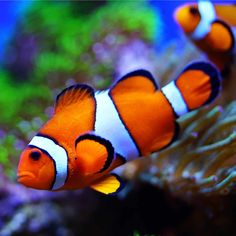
(197, 85)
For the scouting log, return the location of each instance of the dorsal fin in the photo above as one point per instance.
(72, 95)
(139, 80)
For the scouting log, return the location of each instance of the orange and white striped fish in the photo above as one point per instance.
(212, 28)
(91, 133)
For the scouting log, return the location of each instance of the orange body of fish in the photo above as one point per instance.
(212, 28)
(91, 133)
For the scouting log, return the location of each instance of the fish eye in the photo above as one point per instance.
(35, 155)
(193, 11)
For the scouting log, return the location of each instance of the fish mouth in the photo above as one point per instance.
(24, 176)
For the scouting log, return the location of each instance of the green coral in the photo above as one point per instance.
(66, 38)
(19, 101)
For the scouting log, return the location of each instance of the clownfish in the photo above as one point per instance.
(91, 133)
(212, 28)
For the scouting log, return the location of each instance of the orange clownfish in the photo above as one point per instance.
(91, 133)
(212, 28)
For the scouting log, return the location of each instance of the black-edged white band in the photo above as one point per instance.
(58, 154)
(108, 125)
(175, 98)
(208, 15)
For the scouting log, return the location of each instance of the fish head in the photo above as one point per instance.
(36, 169)
(188, 17)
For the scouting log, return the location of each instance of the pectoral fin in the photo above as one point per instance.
(110, 184)
(94, 154)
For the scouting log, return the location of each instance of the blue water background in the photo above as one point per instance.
(10, 13)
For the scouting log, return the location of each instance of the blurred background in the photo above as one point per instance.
(46, 46)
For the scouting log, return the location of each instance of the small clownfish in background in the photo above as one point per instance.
(91, 133)
(212, 28)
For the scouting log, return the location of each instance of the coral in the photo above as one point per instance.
(14, 98)
(145, 209)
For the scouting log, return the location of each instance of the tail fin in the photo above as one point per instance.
(197, 85)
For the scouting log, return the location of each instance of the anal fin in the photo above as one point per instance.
(109, 184)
